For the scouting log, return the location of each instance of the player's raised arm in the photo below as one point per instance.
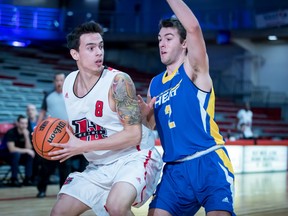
(196, 47)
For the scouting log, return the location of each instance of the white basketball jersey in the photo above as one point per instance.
(91, 117)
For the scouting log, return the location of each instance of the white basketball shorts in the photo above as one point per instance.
(142, 169)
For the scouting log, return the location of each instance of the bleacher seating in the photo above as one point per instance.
(267, 122)
(25, 82)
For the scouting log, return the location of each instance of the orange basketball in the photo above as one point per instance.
(50, 130)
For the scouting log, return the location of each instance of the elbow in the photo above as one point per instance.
(136, 135)
(137, 140)
(194, 28)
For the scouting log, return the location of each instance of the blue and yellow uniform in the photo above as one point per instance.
(193, 148)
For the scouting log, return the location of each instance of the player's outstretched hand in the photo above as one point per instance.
(144, 107)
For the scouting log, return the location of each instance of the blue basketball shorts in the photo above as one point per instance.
(206, 181)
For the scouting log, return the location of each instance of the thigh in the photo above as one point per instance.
(174, 193)
(92, 193)
(158, 212)
(121, 194)
(215, 186)
(15, 157)
(25, 158)
(138, 170)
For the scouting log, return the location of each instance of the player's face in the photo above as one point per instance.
(169, 45)
(91, 52)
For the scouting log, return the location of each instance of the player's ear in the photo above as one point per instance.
(74, 54)
(184, 44)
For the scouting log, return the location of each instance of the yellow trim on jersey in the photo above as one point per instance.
(167, 77)
(225, 159)
(213, 126)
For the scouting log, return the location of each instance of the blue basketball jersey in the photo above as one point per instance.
(184, 115)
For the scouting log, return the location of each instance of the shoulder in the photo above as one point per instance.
(114, 72)
(158, 77)
(70, 78)
(71, 75)
(11, 133)
(47, 93)
(123, 82)
(240, 112)
(123, 76)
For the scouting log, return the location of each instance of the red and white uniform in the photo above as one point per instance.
(91, 118)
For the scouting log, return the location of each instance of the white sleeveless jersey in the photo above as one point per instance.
(91, 117)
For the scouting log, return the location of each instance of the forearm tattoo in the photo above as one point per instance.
(124, 94)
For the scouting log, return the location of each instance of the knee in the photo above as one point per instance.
(117, 208)
(14, 158)
(53, 212)
(15, 155)
(57, 210)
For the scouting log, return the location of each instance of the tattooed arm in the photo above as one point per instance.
(126, 103)
(123, 100)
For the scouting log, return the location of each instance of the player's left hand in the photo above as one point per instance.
(71, 148)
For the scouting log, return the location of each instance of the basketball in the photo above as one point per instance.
(50, 130)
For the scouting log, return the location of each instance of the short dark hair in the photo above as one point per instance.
(173, 22)
(73, 38)
(21, 117)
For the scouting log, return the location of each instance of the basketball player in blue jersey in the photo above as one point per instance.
(180, 104)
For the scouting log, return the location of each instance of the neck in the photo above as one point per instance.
(59, 91)
(86, 81)
(19, 131)
(174, 66)
(34, 119)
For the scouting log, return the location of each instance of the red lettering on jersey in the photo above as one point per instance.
(87, 130)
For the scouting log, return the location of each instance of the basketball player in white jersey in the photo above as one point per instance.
(102, 108)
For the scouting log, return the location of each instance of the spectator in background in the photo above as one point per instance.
(18, 150)
(32, 115)
(244, 122)
(53, 105)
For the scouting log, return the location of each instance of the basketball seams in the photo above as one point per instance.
(65, 134)
(36, 147)
(58, 141)
(45, 136)
(41, 137)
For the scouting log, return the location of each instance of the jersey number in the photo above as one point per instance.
(99, 109)
(168, 111)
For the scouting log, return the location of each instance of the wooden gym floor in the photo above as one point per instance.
(257, 194)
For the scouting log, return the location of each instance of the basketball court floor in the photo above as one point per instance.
(256, 194)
